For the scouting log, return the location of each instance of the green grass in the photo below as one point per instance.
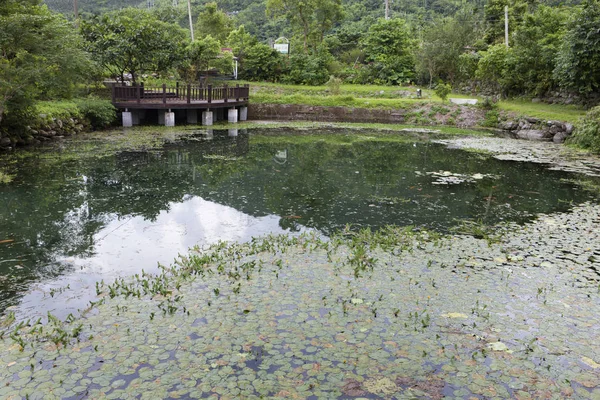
(58, 109)
(362, 91)
(334, 101)
(558, 112)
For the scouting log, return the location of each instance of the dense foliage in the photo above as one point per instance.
(554, 45)
(41, 56)
(134, 42)
(587, 134)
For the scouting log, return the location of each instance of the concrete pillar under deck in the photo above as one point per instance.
(233, 132)
(127, 119)
(232, 116)
(192, 117)
(207, 118)
(161, 117)
(243, 113)
(169, 118)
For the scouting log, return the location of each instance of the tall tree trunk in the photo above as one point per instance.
(306, 29)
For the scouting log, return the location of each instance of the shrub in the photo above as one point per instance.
(443, 90)
(100, 113)
(334, 85)
(488, 104)
(587, 134)
(491, 119)
(309, 69)
(261, 63)
(58, 109)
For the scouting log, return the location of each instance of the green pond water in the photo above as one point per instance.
(76, 213)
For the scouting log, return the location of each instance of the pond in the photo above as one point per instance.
(75, 215)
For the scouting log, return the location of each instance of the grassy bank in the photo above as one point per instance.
(98, 113)
(367, 96)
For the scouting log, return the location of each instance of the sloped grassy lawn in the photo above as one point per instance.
(393, 314)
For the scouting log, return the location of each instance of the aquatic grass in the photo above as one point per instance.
(165, 286)
(379, 132)
(300, 332)
(5, 177)
(479, 230)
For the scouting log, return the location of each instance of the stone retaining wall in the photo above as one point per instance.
(47, 129)
(536, 129)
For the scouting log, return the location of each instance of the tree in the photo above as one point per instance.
(214, 22)
(309, 69)
(444, 42)
(240, 42)
(389, 48)
(41, 55)
(262, 63)
(494, 17)
(200, 53)
(579, 55)
(536, 43)
(494, 67)
(134, 41)
(310, 18)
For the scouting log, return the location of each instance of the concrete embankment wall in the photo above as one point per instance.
(296, 112)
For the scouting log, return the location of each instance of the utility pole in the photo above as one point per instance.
(387, 9)
(190, 15)
(76, 10)
(506, 25)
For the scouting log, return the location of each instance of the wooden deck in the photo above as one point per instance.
(179, 97)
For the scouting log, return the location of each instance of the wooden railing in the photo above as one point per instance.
(179, 93)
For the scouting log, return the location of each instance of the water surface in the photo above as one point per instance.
(72, 217)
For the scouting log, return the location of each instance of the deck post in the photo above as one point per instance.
(232, 116)
(243, 113)
(138, 93)
(177, 89)
(169, 118)
(164, 93)
(189, 93)
(209, 93)
(127, 121)
(225, 95)
(237, 92)
(207, 118)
